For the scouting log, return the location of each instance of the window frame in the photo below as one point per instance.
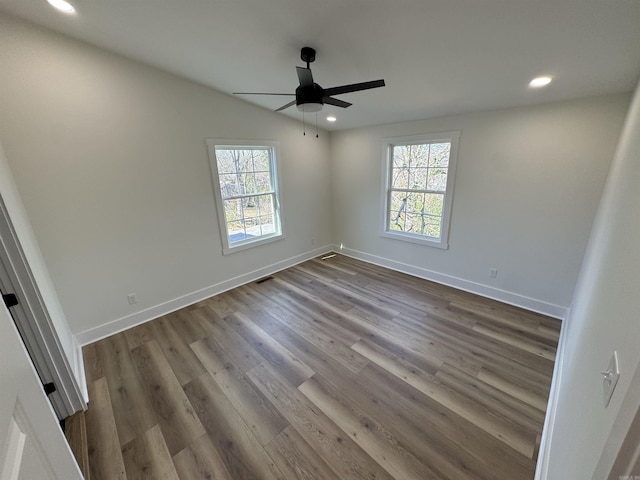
(451, 137)
(272, 146)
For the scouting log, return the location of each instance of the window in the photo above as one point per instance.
(246, 187)
(419, 174)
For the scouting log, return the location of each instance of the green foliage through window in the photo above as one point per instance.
(247, 186)
(417, 188)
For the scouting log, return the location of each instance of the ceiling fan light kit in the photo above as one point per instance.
(311, 97)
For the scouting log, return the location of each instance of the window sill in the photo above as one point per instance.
(227, 250)
(421, 240)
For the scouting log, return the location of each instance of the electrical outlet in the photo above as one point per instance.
(132, 298)
(493, 272)
(313, 241)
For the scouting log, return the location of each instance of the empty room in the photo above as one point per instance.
(320, 240)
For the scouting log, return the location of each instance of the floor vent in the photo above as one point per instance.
(262, 280)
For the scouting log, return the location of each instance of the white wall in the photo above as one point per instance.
(110, 158)
(31, 249)
(527, 186)
(605, 317)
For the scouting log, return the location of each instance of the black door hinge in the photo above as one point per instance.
(49, 388)
(10, 299)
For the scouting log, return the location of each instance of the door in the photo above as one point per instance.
(34, 324)
(33, 445)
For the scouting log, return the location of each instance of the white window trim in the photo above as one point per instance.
(388, 143)
(212, 143)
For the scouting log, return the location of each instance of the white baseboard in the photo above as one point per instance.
(542, 466)
(115, 326)
(539, 306)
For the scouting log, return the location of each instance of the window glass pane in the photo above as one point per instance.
(263, 182)
(236, 231)
(433, 204)
(418, 178)
(439, 155)
(224, 161)
(400, 178)
(232, 210)
(261, 160)
(396, 220)
(267, 224)
(400, 156)
(228, 185)
(419, 155)
(432, 226)
(437, 179)
(418, 213)
(248, 183)
(398, 201)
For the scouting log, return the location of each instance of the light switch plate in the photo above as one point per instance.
(610, 380)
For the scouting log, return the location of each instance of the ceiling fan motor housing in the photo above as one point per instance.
(310, 99)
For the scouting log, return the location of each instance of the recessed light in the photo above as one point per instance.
(62, 5)
(331, 118)
(540, 82)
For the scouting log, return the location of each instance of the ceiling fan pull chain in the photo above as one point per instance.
(304, 126)
(316, 124)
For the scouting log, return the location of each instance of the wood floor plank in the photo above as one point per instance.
(139, 335)
(317, 311)
(319, 336)
(243, 456)
(92, 367)
(333, 444)
(147, 457)
(131, 408)
(184, 363)
(75, 431)
(518, 339)
(287, 364)
(529, 396)
(173, 411)
(201, 460)
(380, 444)
(255, 307)
(434, 426)
(236, 347)
(259, 414)
(189, 326)
(491, 398)
(105, 457)
(498, 427)
(296, 459)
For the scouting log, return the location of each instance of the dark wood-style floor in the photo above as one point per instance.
(333, 369)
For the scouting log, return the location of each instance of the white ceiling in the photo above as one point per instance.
(438, 57)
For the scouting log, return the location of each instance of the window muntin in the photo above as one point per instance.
(419, 186)
(245, 181)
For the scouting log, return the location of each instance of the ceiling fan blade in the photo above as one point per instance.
(286, 106)
(305, 76)
(336, 102)
(256, 93)
(354, 87)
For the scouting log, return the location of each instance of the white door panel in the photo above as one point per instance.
(32, 444)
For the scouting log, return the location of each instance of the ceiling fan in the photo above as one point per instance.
(310, 97)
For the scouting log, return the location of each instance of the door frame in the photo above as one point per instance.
(35, 324)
